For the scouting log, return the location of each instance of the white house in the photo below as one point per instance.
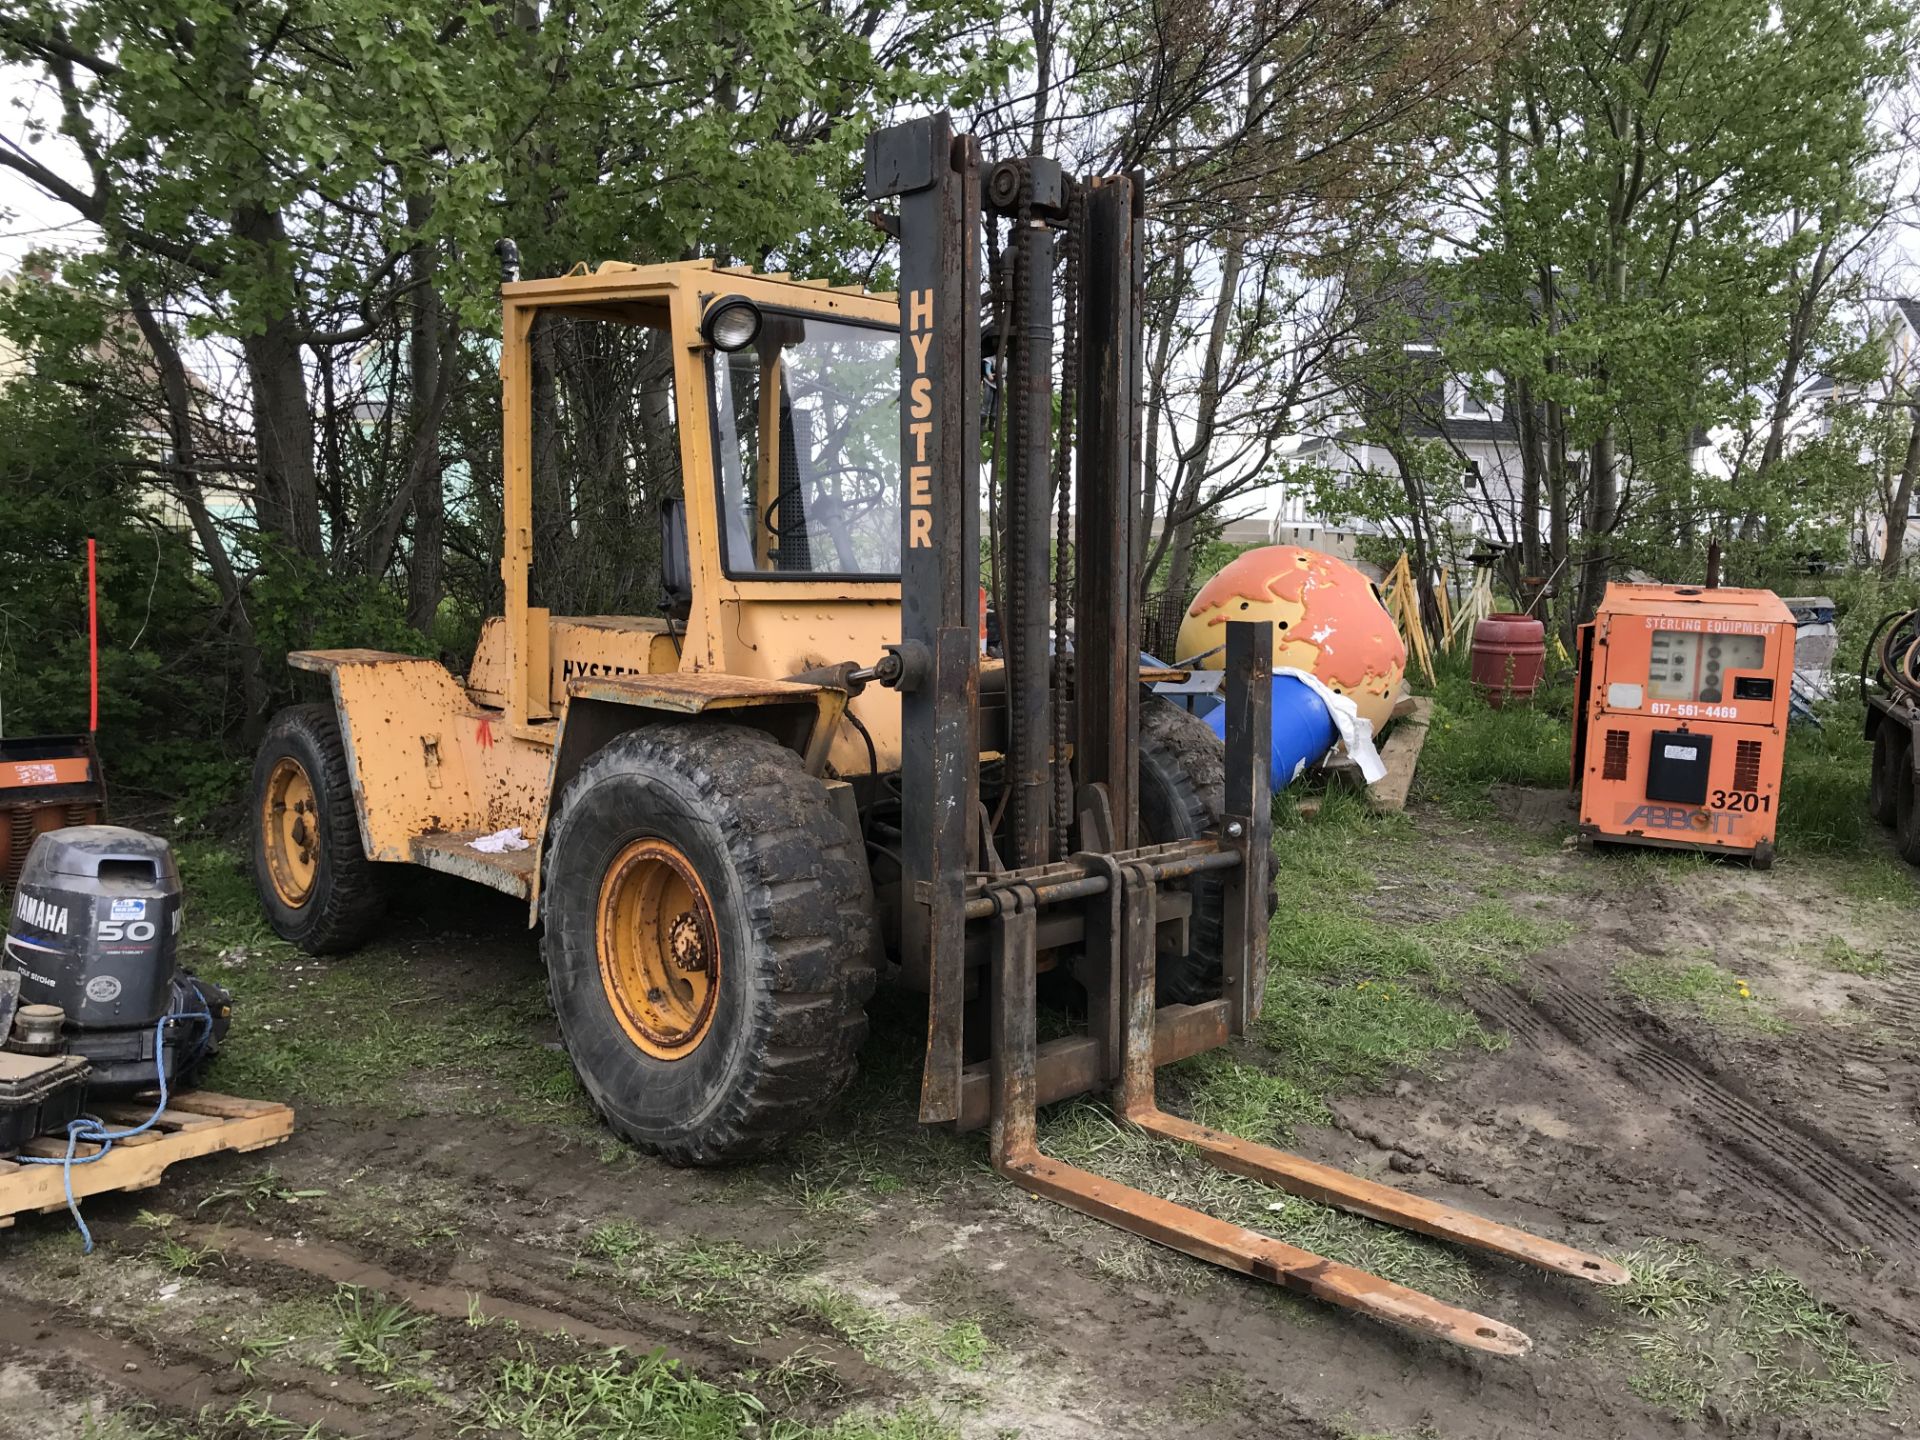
(1465, 412)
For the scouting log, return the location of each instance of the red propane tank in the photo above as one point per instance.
(1507, 655)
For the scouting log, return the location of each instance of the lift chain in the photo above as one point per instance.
(1063, 520)
(1018, 516)
(1000, 271)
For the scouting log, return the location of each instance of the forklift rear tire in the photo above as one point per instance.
(1890, 762)
(1183, 786)
(316, 884)
(711, 940)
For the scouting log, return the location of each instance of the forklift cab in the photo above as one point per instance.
(785, 400)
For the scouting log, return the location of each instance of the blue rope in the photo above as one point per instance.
(87, 1129)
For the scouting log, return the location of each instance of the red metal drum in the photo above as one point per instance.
(1508, 655)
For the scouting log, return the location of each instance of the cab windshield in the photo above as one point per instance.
(808, 442)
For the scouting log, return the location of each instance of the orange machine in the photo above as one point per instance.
(1681, 718)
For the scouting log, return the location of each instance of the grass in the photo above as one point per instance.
(603, 1395)
(1876, 876)
(370, 1026)
(1748, 1343)
(375, 1336)
(1353, 997)
(742, 1284)
(1471, 746)
(613, 1396)
(963, 1344)
(764, 1291)
(179, 1258)
(905, 1344)
(1837, 954)
(1823, 788)
(141, 1422)
(1696, 989)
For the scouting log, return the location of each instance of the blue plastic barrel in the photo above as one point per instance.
(1303, 729)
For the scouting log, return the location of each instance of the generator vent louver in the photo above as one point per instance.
(1614, 765)
(1746, 766)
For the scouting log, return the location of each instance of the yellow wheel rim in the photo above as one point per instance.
(659, 949)
(290, 828)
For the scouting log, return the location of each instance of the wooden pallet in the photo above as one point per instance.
(1400, 751)
(198, 1122)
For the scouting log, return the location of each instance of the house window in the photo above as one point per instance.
(1473, 475)
(1473, 399)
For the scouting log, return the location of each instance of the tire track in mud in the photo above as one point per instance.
(453, 1300)
(540, 1303)
(1526, 1028)
(1896, 1007)
(1798, 1168)
(1863, 1070)
(1530, 1031)
(187, 1386)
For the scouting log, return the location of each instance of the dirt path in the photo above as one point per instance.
(448, 1240)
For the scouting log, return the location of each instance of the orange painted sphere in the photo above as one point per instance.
(1326, 621)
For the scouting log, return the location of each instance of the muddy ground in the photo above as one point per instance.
(1705, 1071)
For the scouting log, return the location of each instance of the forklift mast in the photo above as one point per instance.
(1075, 878)
(1056, 808)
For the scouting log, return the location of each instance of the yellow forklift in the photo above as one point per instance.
(803, 772)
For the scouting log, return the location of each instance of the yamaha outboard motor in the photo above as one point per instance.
(96, 919)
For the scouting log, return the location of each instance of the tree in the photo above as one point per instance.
(1649, 231)
(76, 441)
(304, 202)
(1280, 138)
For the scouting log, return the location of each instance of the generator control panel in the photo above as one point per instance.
(1680, 721)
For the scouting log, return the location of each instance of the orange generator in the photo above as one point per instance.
(1680, 723)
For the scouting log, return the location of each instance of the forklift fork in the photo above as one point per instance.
(1017, 1155)
(1127, 913)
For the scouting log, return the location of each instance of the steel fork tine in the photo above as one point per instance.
(1016, 1153)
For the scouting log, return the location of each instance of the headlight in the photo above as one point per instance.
(731, 324)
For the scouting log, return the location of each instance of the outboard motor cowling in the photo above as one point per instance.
(95, 925)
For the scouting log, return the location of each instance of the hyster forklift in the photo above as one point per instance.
(804, 772)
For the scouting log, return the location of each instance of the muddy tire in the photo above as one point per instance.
(1890, 762)
(677, 852)
(1906, 812)
(315, 882)
(1183, 784)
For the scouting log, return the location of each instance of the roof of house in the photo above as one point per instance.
(1910, 311)
(1464, 427)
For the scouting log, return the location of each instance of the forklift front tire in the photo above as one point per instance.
(316, 884)
(1183, 786)
(711, 940)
